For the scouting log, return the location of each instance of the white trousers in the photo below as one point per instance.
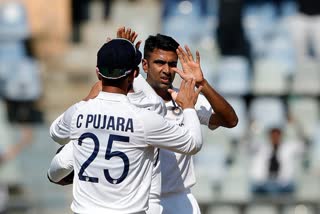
(179, 203)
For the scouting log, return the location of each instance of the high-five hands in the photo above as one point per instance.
(128, 34)
(187, 95)
(95, 90)
(191, 68)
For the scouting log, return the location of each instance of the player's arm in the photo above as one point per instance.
(61, 167)
(60, 128)
(95, 90)
(223, 114)
(187, 139)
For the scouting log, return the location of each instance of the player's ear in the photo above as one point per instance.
(145, 65)
(97, 73)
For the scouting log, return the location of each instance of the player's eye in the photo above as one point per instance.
(172, 64)
(160, 62)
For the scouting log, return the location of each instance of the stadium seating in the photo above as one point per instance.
(233, 76)
(269, 78)
(25, 84)
(306, 79)
(241, 110)
(13, 21)
(268, 112)
(307, 120)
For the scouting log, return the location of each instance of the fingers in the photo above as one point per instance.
(120, 32)
(192, 83)
(181, 73)
(199, 90)
(179, 55)
(138, 44)
(173, 94)
(182, 85)
(108, 39)
(189, 54)
(133, 37)
(187, 84)
(127, 34)
(182, 55)
(197, 57)
(186, 55)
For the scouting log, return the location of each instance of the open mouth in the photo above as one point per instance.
(165, 80)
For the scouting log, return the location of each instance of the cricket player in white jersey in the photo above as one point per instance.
(161, 55)
(113, 141)
(61, 167)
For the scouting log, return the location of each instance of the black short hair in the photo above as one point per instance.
(159, 41)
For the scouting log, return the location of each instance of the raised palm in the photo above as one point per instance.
(128, 34)
(191, 68)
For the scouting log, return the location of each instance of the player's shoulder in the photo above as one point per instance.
(70, 112)
(150, 102)
(76, 106)
(154, 98)
(145, 114)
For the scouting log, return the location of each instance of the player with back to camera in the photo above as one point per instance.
(61, 168)
(113, 141)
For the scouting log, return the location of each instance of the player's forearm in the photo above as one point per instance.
(57, 171)
(184, 139)
(223, 110)
(192, 123)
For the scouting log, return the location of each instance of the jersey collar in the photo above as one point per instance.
(136, 94)
(112, 97)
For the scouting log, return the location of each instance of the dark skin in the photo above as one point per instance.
(160, 67)
(160, 73)
(186, 98)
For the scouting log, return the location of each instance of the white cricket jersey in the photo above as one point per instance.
(149, 102)
(173, 180)
(153, 103)
(62, 163)
(113, 146)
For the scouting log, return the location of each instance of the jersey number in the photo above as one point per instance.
(108, 156)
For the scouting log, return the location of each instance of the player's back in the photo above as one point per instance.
(112, 160)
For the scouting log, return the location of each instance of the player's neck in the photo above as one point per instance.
(113, 89)
(164, 94)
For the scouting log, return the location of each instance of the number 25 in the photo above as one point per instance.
(108, 156)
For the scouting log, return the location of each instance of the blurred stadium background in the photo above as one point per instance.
(47, 63)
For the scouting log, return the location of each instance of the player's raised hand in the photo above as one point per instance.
(191, 68)
(127, 33)
(187, 95)
(95, 90)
